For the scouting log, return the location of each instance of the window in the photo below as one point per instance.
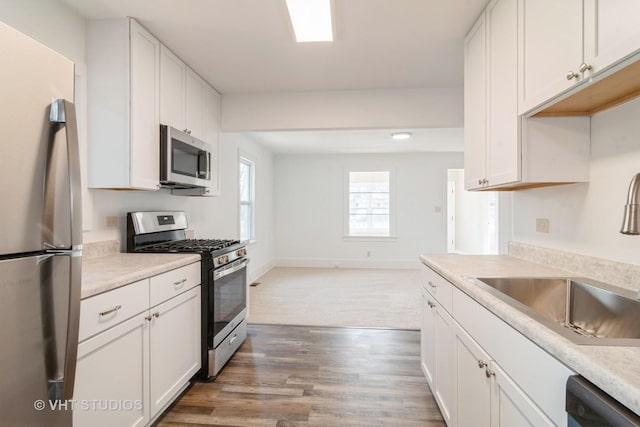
(247, 198)
(369, 204)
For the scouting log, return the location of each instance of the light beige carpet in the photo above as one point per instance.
(337, 297)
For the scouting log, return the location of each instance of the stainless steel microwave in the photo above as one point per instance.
(185, 161)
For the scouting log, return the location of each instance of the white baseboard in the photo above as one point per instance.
(254, 274)
(348, 263)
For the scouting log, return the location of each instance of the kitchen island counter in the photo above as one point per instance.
(615, 369)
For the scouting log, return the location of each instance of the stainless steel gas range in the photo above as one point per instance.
(224, 280)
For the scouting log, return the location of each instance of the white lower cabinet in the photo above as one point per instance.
(482, 372)
(175, 347)
(112, 367)
(437, 355)
(129, 372)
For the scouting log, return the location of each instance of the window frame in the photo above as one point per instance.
(245, 159)
(347, 236)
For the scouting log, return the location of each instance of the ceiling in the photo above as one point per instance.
(361, 141)
(245, 46)
(248, 46)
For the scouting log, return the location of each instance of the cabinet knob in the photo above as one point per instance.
(433, 286)
(156, 314)
(489, 373)
(431, 304)
(572, 75)
(584, 67)
(481, 364)
(148, 318)
(480, 182)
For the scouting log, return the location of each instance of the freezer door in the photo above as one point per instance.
(39, 314)
(31, 147)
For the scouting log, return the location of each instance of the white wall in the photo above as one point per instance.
(356, 109)
(219, 217)
(309, 211)
(586, 218)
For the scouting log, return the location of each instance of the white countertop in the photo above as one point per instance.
(614, 369)
(108, 272)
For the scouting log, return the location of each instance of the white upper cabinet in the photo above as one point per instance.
(173, 73)
(503, 150)
(475, 105)
(194, 104)
(550, 39)
(611, 31)
(212, 134)
(183, 97)
(123, 60)
(563, 44)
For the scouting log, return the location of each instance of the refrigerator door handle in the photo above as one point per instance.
(63, 112)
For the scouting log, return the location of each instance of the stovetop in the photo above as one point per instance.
(190, 245)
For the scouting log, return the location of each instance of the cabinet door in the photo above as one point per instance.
(475, 105)
(503, 140)
(173, 74)
(445, 365)
(194, 103)
(112, 367)
(611, 31)
(550, 46)
(175, 347)
(427, 339)
(510, 406)
(472, 383)
(145, 119)
(212, 133)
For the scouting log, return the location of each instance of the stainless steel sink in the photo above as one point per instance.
(582, 310)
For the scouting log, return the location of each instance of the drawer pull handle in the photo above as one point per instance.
(179, 283)
(233, 339)
(113, 310)
(432, 305)
(432, 284)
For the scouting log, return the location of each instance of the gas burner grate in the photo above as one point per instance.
(189, 245)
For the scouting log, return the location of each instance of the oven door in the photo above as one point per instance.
(229, 298)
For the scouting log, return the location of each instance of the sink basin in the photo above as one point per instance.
(581, 310)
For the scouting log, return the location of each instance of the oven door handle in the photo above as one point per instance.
(231, 268)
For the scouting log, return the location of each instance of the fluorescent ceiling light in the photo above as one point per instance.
(401, 135)
(311, 20)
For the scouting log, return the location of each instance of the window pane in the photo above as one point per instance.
(245, 182)
(245, 222)
(369, 203)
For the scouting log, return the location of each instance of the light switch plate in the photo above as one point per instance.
(542, 225)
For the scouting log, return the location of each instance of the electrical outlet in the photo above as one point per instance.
(542, 225)
(112, 221)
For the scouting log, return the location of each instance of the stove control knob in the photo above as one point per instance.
(241, 252)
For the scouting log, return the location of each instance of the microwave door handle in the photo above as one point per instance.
(208, 166)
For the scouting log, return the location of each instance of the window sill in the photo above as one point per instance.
(369, 238)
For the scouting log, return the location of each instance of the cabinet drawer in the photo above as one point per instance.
(438, 287)
(174, 282)
(106, 310)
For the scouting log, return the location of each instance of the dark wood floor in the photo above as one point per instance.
(309, 376)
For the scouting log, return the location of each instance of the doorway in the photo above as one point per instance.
(473, 225)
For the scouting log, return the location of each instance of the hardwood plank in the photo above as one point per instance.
(289, 376)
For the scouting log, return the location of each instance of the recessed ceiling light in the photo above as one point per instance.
(311, 20)
(401, 135)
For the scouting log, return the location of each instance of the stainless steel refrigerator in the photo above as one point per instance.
(40, 233)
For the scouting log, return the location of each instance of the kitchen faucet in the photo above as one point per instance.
(632, 208)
